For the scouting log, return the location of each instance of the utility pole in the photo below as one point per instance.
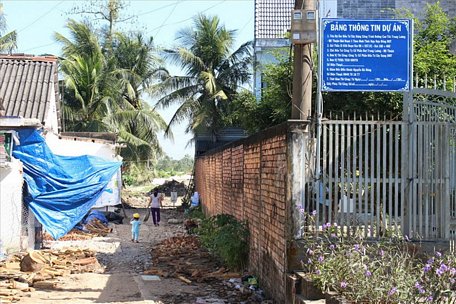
(302, 73)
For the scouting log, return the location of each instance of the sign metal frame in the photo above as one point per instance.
(368, 59)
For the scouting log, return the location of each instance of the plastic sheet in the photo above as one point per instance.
(61, 189)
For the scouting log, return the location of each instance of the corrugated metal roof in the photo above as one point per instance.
(27, 84)
(272, 18)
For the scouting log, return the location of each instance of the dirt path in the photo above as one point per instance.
(124, 262)
(122, 280)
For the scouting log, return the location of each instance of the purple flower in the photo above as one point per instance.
(314, 212)
(430, 261)
(317, 272)
(452, 281)
(343, 284)
(309, 261)
(332, 246)
(381, 252)
(419, 287)
(356, 247)
(367, 273)
(444, 267)
(427, 267)
(453, 271)
(429, 299)
(333, 235)
(321, 259)
(328, 225)
(438, 254)
(392, 291)
(309, 251)
(302, 210)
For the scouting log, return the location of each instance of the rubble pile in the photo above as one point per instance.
(183, 258)
(130, 201)
(87, 231)
(24, 272)
(171, 186)
(72, 235)
(97, 227)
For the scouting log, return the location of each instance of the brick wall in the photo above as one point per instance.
(250, 180)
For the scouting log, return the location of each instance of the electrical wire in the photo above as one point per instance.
(166, 19)
(190, 18)
(40, 46)
(245, 25)
(43, 15)
(155, 10)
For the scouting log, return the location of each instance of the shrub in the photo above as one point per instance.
(195, 213)
(227, 238)
(378, 272)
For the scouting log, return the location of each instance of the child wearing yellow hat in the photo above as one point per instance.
(135, 223)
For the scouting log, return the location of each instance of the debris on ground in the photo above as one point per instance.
(171, 186)
(174, 221)
(96, 223)
(95, 226)
(191, 224)
(183, 258)
(38, 269)
(72, 235)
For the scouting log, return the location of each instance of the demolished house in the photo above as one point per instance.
(48, 179)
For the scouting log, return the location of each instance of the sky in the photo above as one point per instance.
(37, 21)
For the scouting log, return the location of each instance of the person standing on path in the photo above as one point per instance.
(155, 203)
(135, 223)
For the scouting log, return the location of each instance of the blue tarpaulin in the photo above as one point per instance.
(61, 189)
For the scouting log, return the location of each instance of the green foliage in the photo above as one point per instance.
(226, 237)
(106, 75)
(128, 180)
(196, 213)
(8, 40)
(275, 104)
(434, 35)
(213, 74)
(167, 166)
(137, 174)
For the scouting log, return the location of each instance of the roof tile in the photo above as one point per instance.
(26, 85)
(272, 18)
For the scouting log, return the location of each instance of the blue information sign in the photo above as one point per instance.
(365, 55)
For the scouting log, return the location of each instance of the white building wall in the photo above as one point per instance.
(66, 147)
(11, 181)
(51, 122)
(265, 52)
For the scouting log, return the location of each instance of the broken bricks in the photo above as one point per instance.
(21, 273)
(183, 258)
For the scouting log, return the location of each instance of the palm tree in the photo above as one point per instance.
(102, 96)
(137, 64)
(86, 102)
(7, 40)
(213, 75)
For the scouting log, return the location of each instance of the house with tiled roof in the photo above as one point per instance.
(30, 137)
(29, 98)
(29, 89)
